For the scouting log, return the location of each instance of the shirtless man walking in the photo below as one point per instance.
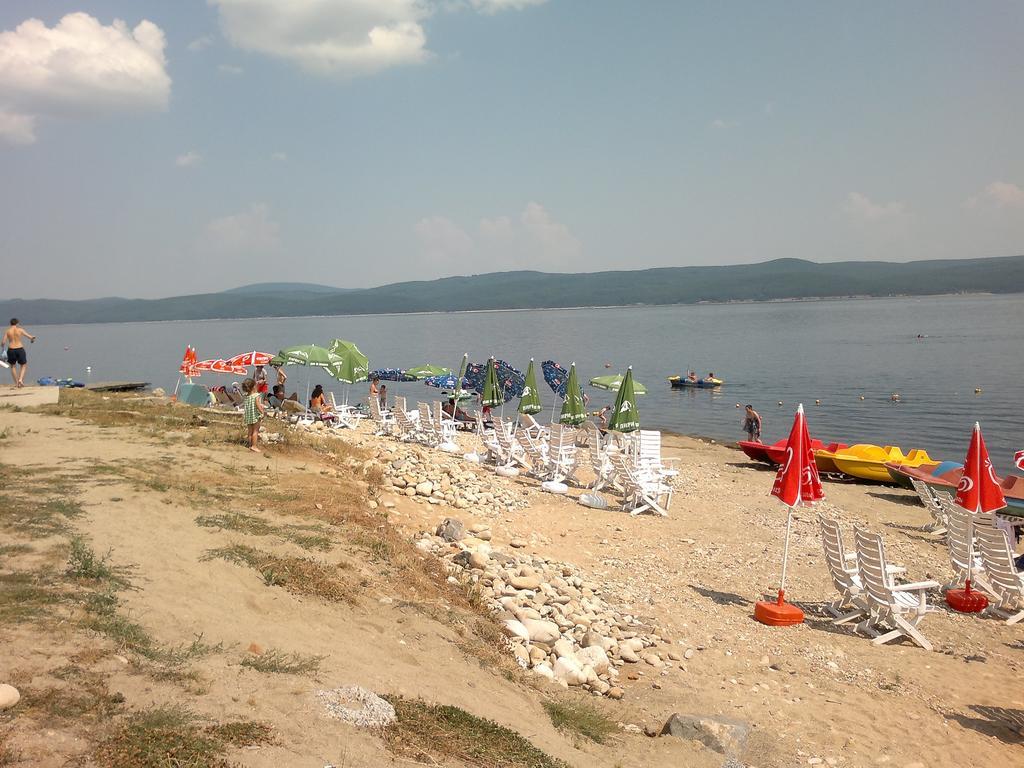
(14, 341)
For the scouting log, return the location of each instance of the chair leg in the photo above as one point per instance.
(854, 614)
(911, 630)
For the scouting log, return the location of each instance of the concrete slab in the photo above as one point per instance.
(28, 396)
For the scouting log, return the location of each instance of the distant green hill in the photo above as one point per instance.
(772, 280)
(273, 288)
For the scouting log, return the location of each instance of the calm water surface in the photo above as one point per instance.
(833, 351)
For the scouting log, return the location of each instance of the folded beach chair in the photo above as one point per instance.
(1005, 582)
(934, 506)
(536, 455)
(406, 429)
(562, 453)
(898, 608)
(641, 492)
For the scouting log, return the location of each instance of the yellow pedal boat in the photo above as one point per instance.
(867, 462)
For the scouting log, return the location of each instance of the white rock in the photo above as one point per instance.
(568, 670)
(544, 670)
(9, 696)
(595, 657)
(540, 631)
(516, 629)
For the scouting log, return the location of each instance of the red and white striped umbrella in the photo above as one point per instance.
(221, 366)
(249, 359)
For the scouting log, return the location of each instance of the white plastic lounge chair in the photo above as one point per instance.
(536, 455)
(601, 465)
(900, 608)
(842, 567)
(405, 428)
(641, 492)
(648, 455)
(1005, 582)
(383, 418)
(960, 525)
(427, 434)
(510, 452)
(530, 425)
(444, 426)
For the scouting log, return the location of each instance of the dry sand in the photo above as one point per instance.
(814, 694)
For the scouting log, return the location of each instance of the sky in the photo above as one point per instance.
(158, 148)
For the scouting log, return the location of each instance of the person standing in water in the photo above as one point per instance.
(14, 340)
(752, 424)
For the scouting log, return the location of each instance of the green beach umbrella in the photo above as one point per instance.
(352, 364)
(573, 408)
(529, 402)
(614, 384)
(625, 415)
(306, 354)
(492, 395)
(426, 371)
(458, 394)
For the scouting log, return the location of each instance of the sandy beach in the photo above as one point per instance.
(342, 567)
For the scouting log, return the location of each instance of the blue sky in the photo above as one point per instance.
(361, 142)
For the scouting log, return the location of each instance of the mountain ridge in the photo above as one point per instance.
(780, 279)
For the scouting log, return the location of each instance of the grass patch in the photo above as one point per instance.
(175, 737)
(299, 575)
(26, 596)
(434, 733)
(84, 564)
(581, 719)
(15, 549)
(37, 518)
(279, 662)
(85, 696)
(305, 536)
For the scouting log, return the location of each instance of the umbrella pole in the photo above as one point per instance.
(785, 556)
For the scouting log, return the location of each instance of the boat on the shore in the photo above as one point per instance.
(901, 473)
(1012, 485)
(682, 382)
(867, 462)
(775, 453)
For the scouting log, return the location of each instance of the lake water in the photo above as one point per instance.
(832, 351)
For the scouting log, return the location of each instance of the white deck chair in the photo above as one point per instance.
(536, 455)
(648, 456)
(529, 425)
(444, 426)
(896, 607)
(427, 434)
(604, 472)
(562, 453)
(383, 418)
(960, 524)
(640, 492)
(405, 428)
(1005, 582)
(842, 567)
(933, 505)
(510, 452)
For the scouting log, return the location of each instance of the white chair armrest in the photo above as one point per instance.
(891, 569)
(916, 586)
(851, 555)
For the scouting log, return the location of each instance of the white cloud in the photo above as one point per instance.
(862, 208)
(1001, 194)
(532, 240)
(200, 43)
(17, 129)
(188, 159)
(230, 69)
(496, 6)
(79, 67)
(346, 37)
(248, 231)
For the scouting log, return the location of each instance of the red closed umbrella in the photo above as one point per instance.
(1018, 459)
(188, 363)
(978, 492)
(796, 483)
(249, 359)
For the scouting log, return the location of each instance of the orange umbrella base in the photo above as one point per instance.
(776, 614)
(966, 601)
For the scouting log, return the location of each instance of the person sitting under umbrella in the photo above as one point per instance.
(318, 404)
(455, 413)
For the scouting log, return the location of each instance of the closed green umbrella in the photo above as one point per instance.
(529, 402)
(458, 394)
(573, 408)
(426, 371)
(492, 395)
(353, 365)
(625, 416)
(614, 384)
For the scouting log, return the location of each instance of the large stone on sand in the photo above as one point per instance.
(722, 734)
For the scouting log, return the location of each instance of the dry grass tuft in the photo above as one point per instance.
(279, 662)
(436, 734)
(299, 575)
(581, 718)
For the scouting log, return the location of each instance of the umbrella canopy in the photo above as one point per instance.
(573, 408)
(353, 365)
(188, 363)
(220, 366)
(447, 381)
(529, 402)
(426, 371)
(556, 377)
(510, 380)
(492, 395)
(390, 374)
(614, 383)
(248, 359)
(625, 416)
(797, 482)
(460, 378)
(306, 354)
(979, 491)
